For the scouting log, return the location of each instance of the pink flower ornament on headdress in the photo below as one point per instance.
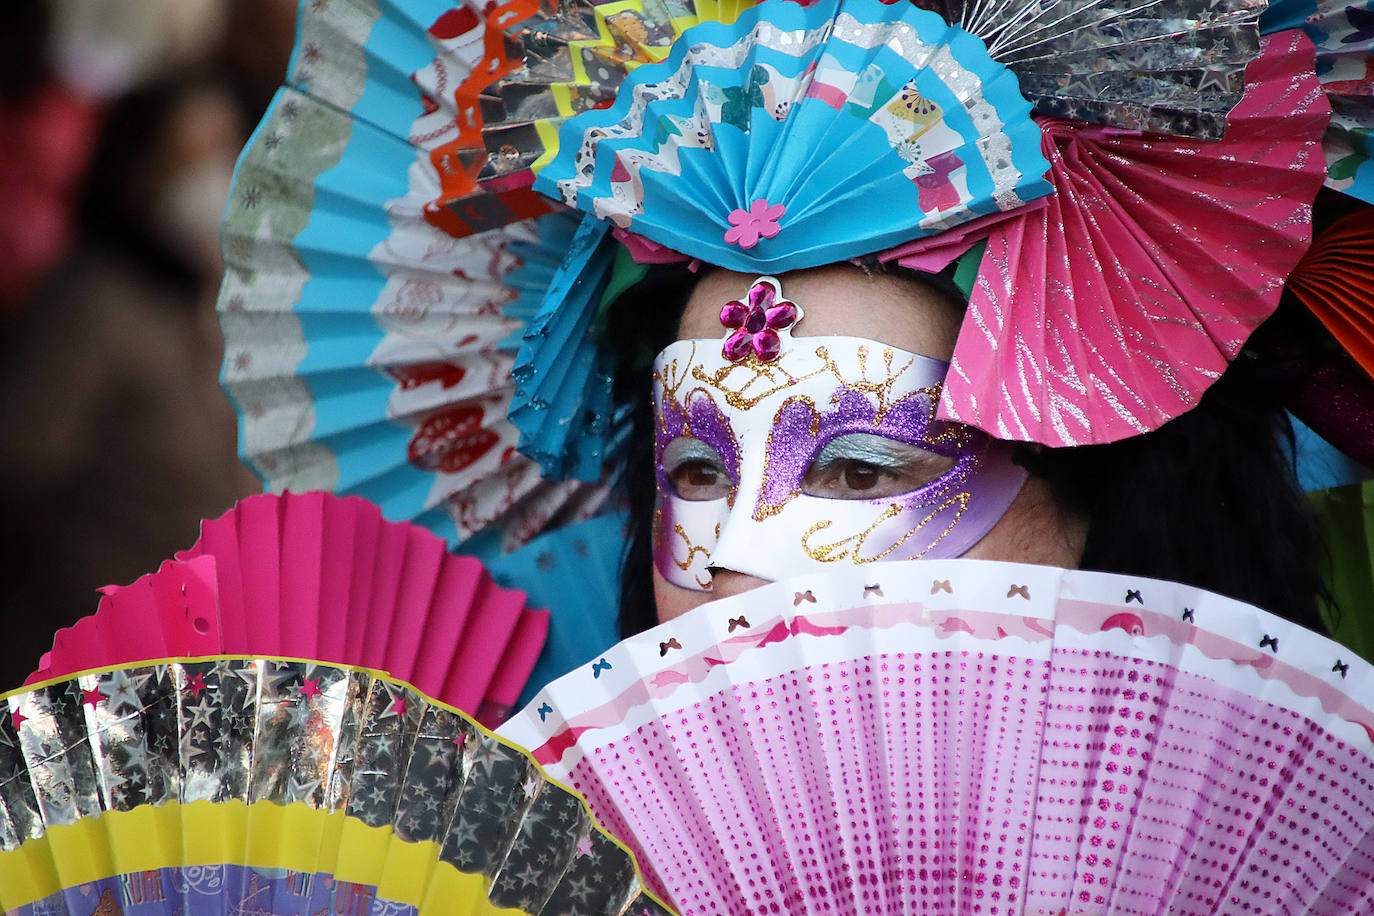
(756, 321)
(759, 221)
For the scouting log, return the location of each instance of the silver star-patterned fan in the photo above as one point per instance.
(105, 750)
(1164, 66)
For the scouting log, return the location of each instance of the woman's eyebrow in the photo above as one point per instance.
(687, 447)
(871, 448)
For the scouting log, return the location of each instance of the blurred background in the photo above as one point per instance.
(120, 121)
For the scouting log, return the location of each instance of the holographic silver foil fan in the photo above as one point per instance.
(1166, 66)
(253, 786)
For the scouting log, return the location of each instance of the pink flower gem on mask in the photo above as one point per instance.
(759, 221)
(756, 321)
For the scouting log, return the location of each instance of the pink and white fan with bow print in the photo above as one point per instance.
(962, 736)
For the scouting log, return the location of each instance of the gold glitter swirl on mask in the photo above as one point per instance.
(692, 551)
(852, 545)
(668, 379)
(761, 380)
(659, 527)
(881, 391)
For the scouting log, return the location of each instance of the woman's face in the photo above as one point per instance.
(851, 419)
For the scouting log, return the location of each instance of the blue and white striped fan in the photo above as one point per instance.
(372, 318)
(754, 146)
(362, 306)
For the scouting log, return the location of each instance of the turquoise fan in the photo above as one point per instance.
(375, 295)
(563, 408)
(752, 145)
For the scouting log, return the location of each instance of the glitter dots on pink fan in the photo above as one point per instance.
(802, 803)
(1156, 774)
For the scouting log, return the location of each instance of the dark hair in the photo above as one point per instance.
(646, 318)
(1209, 499)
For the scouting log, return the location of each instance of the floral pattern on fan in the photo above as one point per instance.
(858, 97)
(974, 734)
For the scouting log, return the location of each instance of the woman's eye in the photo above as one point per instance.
(865, 466)
(697, 480)
(695, 471)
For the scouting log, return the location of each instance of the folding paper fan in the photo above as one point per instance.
(238, 786)
(667, 159)
(575, 55)
(366, 273)
(322, 577)
(705, 152)
(1109, 309)
(962, 736)
(168, 614)
(1165, 67)
(574, 571)
(1344, 35)
(562, 405)
(1336, 282)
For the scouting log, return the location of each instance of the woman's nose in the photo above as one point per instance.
(726, 582)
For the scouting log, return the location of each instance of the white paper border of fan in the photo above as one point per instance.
(594, 696)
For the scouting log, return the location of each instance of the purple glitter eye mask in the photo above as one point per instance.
(801, 433)
(832, 455)
(698, 418)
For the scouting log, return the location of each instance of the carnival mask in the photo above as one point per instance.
(777, 456)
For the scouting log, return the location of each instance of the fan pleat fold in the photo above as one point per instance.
(312, 575)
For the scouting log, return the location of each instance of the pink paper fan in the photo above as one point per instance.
(167, 614)
(1109, 311)
(321, 577)
(962, 736)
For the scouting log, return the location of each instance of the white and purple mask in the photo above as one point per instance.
(777, 456)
